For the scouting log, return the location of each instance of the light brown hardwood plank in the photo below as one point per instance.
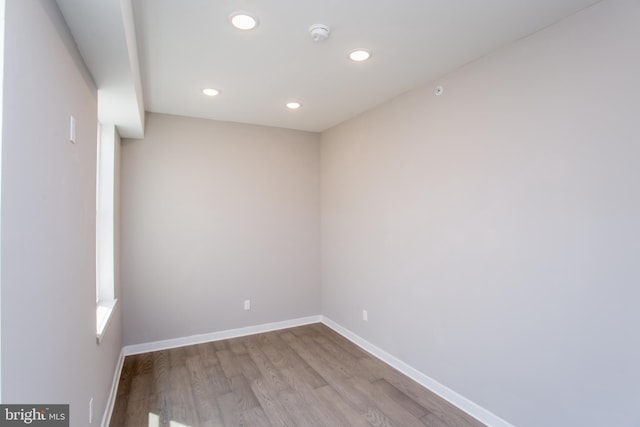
(270, 373)
(254, 417)
(203, 390)
(272, 405)
(119, 415)
(402, 399)
(229, 409)
(140, 387)
(160, 406)
(302, 414)
(218, 382)
(160, 371)
(278, 359)
(304, 375)
(336, 352)
(432, 420)
(341, 341)
(338, 382)
(317, 409)
(207, 352)
(445, 411)
(395, 412)
(230, 364)
(221, 345)
(137, 413)
(245, 396)
(348, 415)
(182, 408)
(237, 346)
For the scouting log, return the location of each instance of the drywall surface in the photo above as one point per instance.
(116, 321)
(49, 350)
(493, 232)
(213, 214)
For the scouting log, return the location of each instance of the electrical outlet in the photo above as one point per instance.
(247, 304)
(91, 411)
(365, 315)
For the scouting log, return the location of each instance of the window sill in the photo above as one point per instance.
(104, 312)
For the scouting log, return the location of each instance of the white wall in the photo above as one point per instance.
(214, 213)
(49, 350)
(493, 233)
(116, 320)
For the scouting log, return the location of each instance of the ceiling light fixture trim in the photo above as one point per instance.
(359, 55)
(210, 92)
(243, 21)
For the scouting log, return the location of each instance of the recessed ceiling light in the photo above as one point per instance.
(359, 55)
(293, 105)
(210, 92)
(243, 21)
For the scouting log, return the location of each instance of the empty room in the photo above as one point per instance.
(320, 213)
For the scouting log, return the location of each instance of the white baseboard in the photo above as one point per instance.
(461, 402)
(111, 401)
(217, 336)
(194, 339)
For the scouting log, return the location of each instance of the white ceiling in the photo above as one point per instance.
(187, 45)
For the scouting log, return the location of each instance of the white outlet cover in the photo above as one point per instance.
(247, 304)
(365, 315)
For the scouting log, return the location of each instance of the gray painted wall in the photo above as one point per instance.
(49, 350)
(215, 213)
(493, 232)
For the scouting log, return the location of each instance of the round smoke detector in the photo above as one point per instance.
(319, 32)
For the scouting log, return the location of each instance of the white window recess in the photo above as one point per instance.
(105, 203)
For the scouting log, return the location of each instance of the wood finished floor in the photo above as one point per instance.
(304, 376)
